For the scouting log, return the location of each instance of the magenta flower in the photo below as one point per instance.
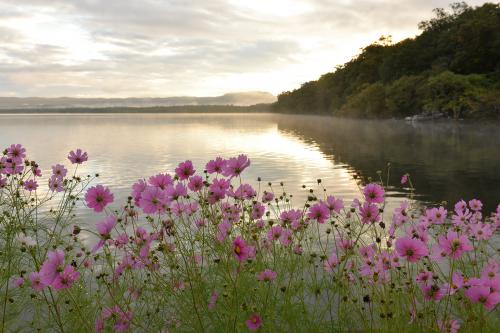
(267, 197)
(334, 205)
(483, 295)
(175, 192)
(104, 229)
(454, 245)
(51, 267)
(77, 157)
(258, 210)
(319, 212)
(449, 326)
(185, 170)
(432, 292)
(98, 197)
(30, 185)
(59, 171)
(66, 278)
(481, 231)
(460, 206)
(213, 300)
(286, 237)
(411, 249)
(404, 179)
(241, 250)
(16, 152)
(267, 275)
(374, 193)
(254, 322)
(235, 166)
(11, 166)
(274, 233)
(36, 281)
(153, 200)
(331, 262)
(244, 191)
(161, 180)
(436, 215)
(369, 213)
(56, 184)
(475, 205)
(137, 190)
(195, 183)
(216, 166)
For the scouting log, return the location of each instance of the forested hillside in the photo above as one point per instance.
(452, 67)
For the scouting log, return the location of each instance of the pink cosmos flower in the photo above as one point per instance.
(369, 213)
(411, 249)
(66, 278)
(175, 192)
(137, 190)
(161, 180)
(224, 230)
(267, 197)
(16, 152)
(460, 206)
(241, 250)
(254, 322)
(319, 212)
(454, 245)
(153, 200)
(374, 193)
(436, 215)
(475, 205)
(104, 229)
(19, 282)
(52, 266)
(235, 166)
(400, 214)
(424, 278)
(36, 281)
(274, 233)
(11, 166)
(77, 157)
(56, 184)
(258, 210)
(185, 170)
(267, 275)
(213, 300)
(483, 295)
(461, 217)
(449, 326)
(216, 166)
(334, 205)
(404, 179)
(432, 292)
(331, 262)
(367, 252)
(290, 217)
(286, 237)
(98, 197)
(244, 191)
(481, 231)
(30, 185)
(297, 249)
(195, 183)
(59, 171)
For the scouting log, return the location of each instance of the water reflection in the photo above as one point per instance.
(447, 161)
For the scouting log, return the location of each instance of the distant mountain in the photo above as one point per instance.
(237, 98)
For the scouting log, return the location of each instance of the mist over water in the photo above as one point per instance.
(447, 161)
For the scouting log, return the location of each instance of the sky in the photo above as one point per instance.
(162, 48)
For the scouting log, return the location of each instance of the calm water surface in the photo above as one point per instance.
(447, 161)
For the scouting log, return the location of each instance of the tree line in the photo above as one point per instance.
(452, 68)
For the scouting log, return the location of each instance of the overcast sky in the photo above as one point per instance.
(159, 48)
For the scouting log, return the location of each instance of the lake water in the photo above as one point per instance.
(447, 161)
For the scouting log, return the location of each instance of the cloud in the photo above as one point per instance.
(121, 48)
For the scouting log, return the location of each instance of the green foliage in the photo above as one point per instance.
(452, 67)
